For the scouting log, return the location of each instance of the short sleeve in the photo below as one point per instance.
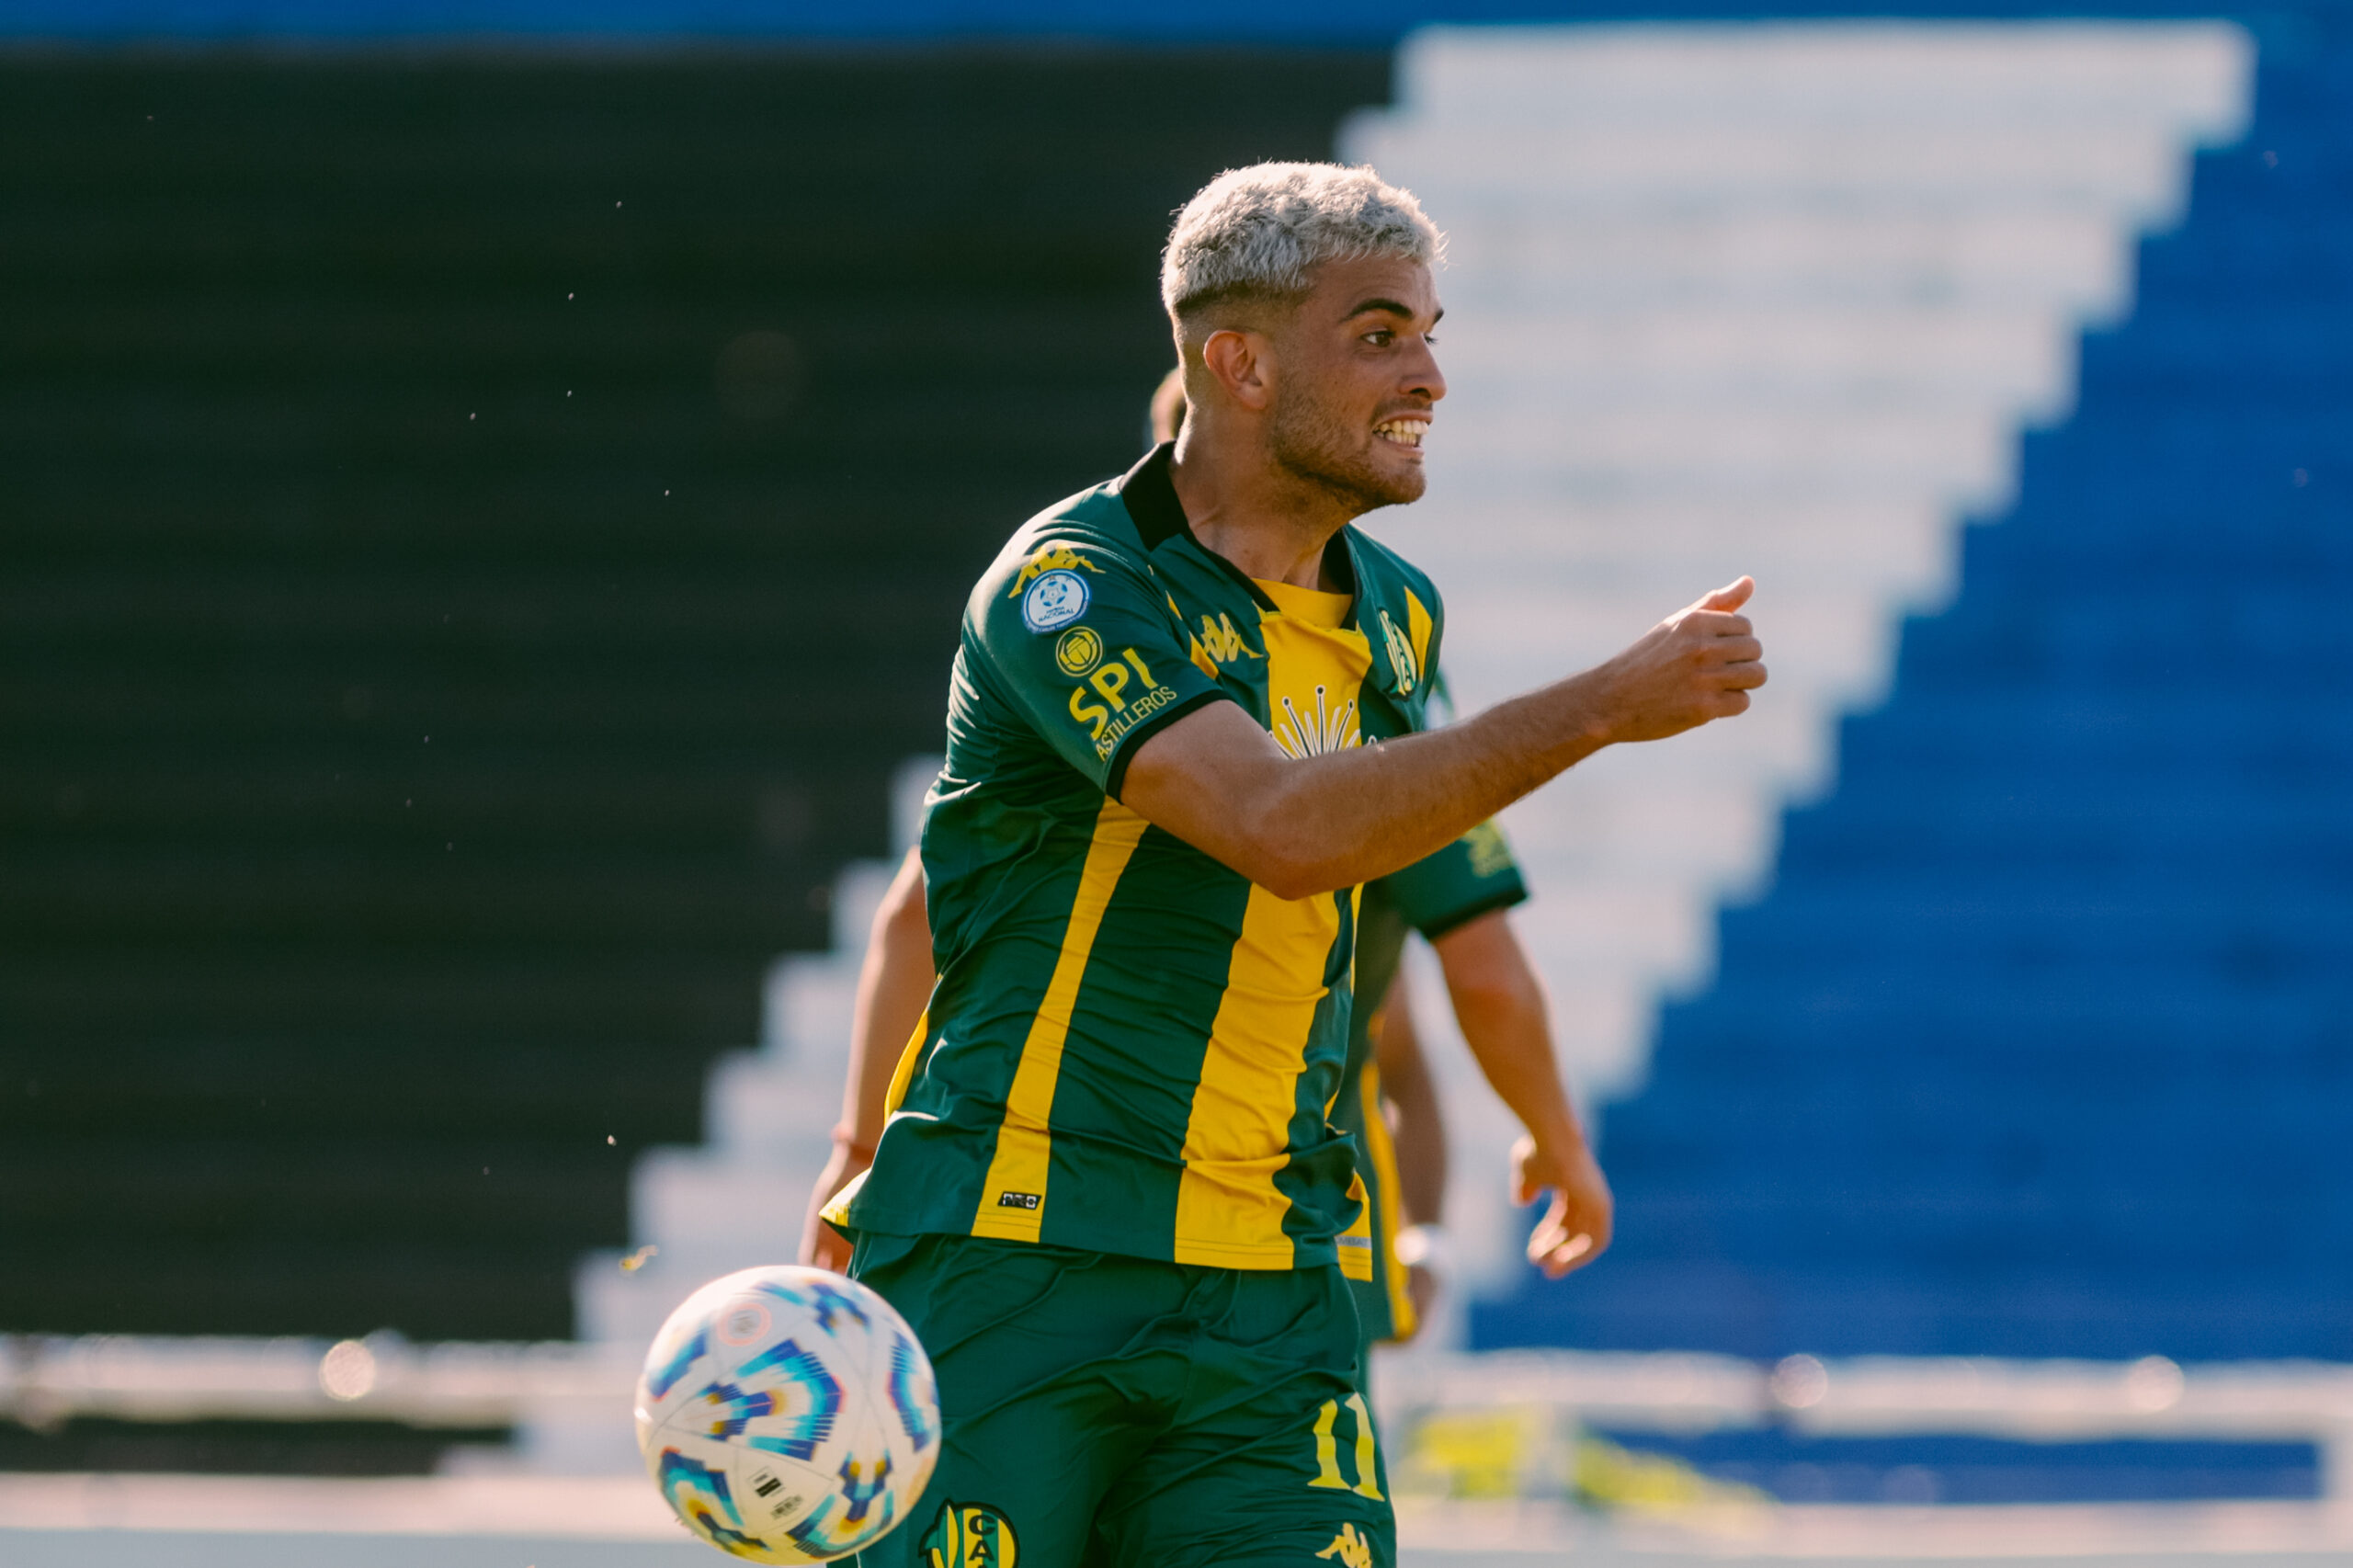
(1465, 880)
(1083, 645)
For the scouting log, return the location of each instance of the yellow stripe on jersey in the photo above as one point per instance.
(1229, 1210)
(1024, 1142)
(904, 1073)
(1417, 631)
(1382, 1150)
(837, 1210)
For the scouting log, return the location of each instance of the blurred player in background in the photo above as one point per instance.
(1185, 725)
(1388, 1100)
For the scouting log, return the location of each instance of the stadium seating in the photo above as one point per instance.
(482, 530)
(1771, 300)
(739, 1198)
(2037, 1046)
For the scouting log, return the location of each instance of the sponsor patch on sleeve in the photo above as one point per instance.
(1078, 651)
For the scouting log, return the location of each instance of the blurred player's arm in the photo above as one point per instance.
(894, 987)
(1299, 827)
(1415, 1121)
(1417, 1137)
(1501, 1006)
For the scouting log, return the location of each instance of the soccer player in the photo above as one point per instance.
(1456, 899)
(1183, 728)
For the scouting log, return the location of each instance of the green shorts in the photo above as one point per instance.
(1103, 1410)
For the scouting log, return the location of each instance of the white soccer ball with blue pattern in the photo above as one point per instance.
(788, 1414)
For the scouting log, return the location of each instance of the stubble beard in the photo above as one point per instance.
(1320, 449)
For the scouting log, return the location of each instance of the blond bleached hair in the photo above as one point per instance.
(1260, 232)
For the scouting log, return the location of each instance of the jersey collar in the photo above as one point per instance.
(1149, 496)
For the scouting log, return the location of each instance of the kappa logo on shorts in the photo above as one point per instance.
(1018, 1200)
(1351, 1550)
(974, 1535)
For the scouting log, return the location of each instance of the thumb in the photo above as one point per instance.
(1732, 596)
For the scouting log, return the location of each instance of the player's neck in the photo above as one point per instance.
(1270, 524)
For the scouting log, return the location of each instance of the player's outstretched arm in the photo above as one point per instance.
(1300, 827)
(1501, 1006)
(893, 985)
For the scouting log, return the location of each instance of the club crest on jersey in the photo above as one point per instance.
(969, 1535)
(1055, 600)
(1326, 730)
(1401, 662)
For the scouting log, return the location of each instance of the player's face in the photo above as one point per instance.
(1358, 382)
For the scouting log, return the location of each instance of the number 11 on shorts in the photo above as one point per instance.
(1328, 1449)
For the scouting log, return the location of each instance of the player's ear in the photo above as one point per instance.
(1237, 362)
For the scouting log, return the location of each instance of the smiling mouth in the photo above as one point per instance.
(1408, 433)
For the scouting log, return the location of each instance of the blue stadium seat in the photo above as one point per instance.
(2038, 1045)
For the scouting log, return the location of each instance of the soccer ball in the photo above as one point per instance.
(788, 1414)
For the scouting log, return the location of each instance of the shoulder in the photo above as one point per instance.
(1054, 565)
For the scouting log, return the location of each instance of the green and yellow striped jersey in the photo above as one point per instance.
(1130, 1047)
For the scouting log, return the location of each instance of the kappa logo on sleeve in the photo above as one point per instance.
(1051, 591)
(1050, 558)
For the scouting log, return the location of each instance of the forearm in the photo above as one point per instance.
(1359, 814)
(1300, 827)
(1505, 1021)
(1516, 1060)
